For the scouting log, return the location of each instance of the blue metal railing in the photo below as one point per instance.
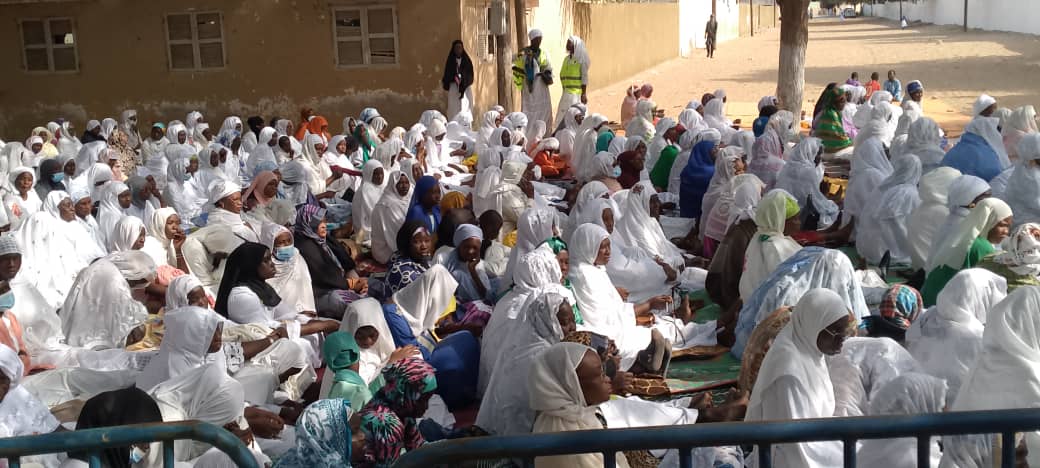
(93, 441)
(761, 434)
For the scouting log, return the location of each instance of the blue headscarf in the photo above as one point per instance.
(972, 155)
(415, 209)
(322, 436)
(695, 179)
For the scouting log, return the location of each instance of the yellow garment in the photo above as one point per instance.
(510, 239)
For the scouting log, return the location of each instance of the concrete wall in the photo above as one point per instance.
(556, 19)
(474, 25)
(280, 56)
(626, 38)
(1021, 16)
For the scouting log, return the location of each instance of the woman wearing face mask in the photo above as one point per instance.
(116, 408)
(336, 283)
(794, 382)
(51, 177)
(100, 311)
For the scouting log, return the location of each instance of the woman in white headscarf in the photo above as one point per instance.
(585, 145)
(263, 151)
(1023, 188)
(729, 163)
(724, 213)
(100, 311)
(373, 183)
(190, 335)
(887, 218)
(776, 217)
(947, 338)
(1019, 261)
(881, 125)
(505, 408)
(568, 134)
(388, 215)
(510, 198)
(1021, 123)
(964, 193)
(694, 124)
(972, 239)
(534, 227)
(292, 279)
(128, 234)
(986, 127)
(1005, 376)
(24, 201)
(111, 209)
(629, 266)
(642, 125)
(794, 383)
(21, 414)
(367, 314)
(908, 394)
(603, 309)
(181, 192)
(715, 117)
(205, 394)
(923, 226)
(767, 153)
(870, 166)
(225, 210)
(565, 387)
(210, 167)
(902, 132)
(801, 177)
(640, 229)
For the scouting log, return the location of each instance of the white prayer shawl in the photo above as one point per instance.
(21, 414)
(19, 209)
(925, 220)
(158, 246)
(388, 216)
(870, 166)
(881, 125)
(423, 301)
(979, 221)
(946, 339)
(658, 143)
(1023, 188)
(888, 218)
(694, 124)
(767, 153)
(187, 335)
(962, 192)
(986, 127)
(794, 383)
(125, 234)
(1021, 123)
(534, 271)
(182, 195)
(510, 200)
(642, 125)
(715, 117)
(233, 222)
(567, 134)
(769, 247)
(88, 155)
(724, 213)
(208, 173)
(205, 394)
(262, 151)
(1006, 374)
(100, 311)
(863, 111)
(629, 267)
(908, 394)
(292, 279)
(585, 144)
(534, 227)
(505, 408)
(110, 211)
(367, 198)
(925, 142)
(557, 399)
(602, 308)
(640, 230)
(367, 312)
(801, 177)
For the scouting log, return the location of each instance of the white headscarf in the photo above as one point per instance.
(979, 221)
(368, 313)
(642, 125)
(100, 310)
(715, 117)
(125, 234)
(694, 124)
(720, 182)
(923, 227)
(585, 143)
(21, 414)
(188, 332)
(423, 301)
(534, 227)
(767, 153)
(881, 125)
(639, 229)
(292, 279)
(1021, 123)
(388, 216)
(1021, 252)
(1023, 188)
(368, 196)
(947, 338)
(747, 193)
(109, 210)
(801, 177)
(887, 216)
(924, 140)
(962, 192)
(870, 166)
(910, 393)
(986, 127)
(1007, 372)
(794, 358)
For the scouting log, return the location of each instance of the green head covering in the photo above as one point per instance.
(790, 208)
(340, 351)
(556, 244)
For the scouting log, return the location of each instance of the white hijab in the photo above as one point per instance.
(110, 211)
(870, 166)
(962, 192)
(100, 310)
(986, 127)
(388, 216)
(639, 229)
(292, 279)
(187, 335)
(368, 312)
(125, 234)
(801, 177)
(794, 358)
(908, 394)
(21, 414)
(925, 141)
(1023, 189)
(979, 221)
(923, 227)
(422, 302)
(534, 227)
(881, 125)
(585, 144)
(368, 196)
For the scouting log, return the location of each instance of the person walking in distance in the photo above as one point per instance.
(710, 31)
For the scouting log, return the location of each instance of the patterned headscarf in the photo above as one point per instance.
(387, 429)
(407, 381)
(322, 436)
(901, 306)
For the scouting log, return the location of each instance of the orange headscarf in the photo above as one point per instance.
(452, 200)
(317, 125)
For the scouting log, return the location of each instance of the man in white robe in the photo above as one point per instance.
(532, 74)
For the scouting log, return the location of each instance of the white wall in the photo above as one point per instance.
(1021, 16)
(555, 19)
(693, 16)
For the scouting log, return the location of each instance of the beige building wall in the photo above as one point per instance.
(626, 38)
(279, 56)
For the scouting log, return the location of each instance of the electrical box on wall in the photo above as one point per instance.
(498, 19)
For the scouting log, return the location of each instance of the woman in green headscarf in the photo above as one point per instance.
(341, 353)
(828, 127)
(365, 143)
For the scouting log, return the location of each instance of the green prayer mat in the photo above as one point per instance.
(690, 375)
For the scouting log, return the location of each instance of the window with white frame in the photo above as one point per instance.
(488, 43)
(365, 35)
(49, 45)
(195, 40)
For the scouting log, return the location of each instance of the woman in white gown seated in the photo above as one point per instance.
(100, 310)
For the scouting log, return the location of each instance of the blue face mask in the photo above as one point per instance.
(333, 226)
(186, 177)
(617, 171)
(284, 254)
(7, 300)
(137, 455)
(57, 177)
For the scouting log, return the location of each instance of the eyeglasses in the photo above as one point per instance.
(843, 333)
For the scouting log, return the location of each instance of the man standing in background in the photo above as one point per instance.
(574, 77)
(532, 73)
(709, 35)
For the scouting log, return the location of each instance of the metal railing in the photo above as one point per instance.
(761, 434)
(94, 441)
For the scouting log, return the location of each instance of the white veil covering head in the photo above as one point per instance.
(125, 234)
(925, 141)
(910, 393)
(177, 291)
(1006, 374)
(388, 216)
(368, 196)
(769, 247)
(1021, 252)
(747, 193)
(870, 166)
(187, 334)
(980, 220)
(109, 210)
(534, 227)
(923, 227)
(292, 279)
(881, 125)
(557, 398)
(638, 229)
(1021, 123)
(505, 408)
(1023, 187)
(896, 196)
(801, 177)
(21, 414)
(100, 310)
(947, 338)
(422, 302)
(161, 250)
(585, 143)
(987, 128)
(794, 364)
(367, 312)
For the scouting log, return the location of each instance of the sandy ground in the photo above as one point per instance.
(955, 67)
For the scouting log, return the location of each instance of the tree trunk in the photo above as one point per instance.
(794, 37)
(504, 70)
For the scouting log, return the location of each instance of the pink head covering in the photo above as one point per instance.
(257, 187)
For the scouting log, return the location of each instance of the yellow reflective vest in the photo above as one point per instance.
(570, 76)
(519, 71)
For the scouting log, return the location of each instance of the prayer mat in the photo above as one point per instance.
(698, 375)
